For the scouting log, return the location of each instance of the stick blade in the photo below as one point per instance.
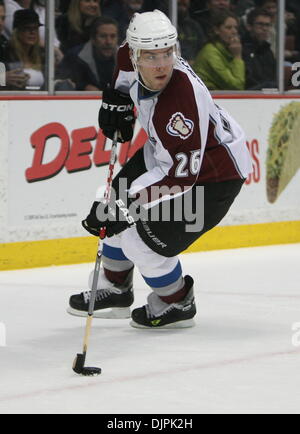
(78, 365)
(79, 368)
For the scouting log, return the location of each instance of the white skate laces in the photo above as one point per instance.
(101, 294)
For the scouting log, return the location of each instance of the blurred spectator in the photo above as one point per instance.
(39, 7)
(163, 5)
(295, 5)
(15, 79)
(219, 64)
(190, 33)
(115, 8)
(271, 7)
(24, 53)
(257, 54)
(3, 40)
(64, 6)
(122, 11)
(197, 6)
(292, 38)
(90, 66)
(73, 28)
(242, 6)
(205, 16)
(11, 7)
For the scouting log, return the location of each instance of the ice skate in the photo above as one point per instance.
(158, 314)
(112, 302)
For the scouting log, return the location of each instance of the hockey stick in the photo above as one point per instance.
(78, 365)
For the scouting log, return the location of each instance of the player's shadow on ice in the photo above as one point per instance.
(112, 339)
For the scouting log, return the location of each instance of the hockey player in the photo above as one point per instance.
(192, 145)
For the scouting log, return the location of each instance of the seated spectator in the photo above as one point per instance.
(190, 33)
(257, 54)
(292, 38)
(219, 64)
(63, 6)
(162, 5)
(122, 11)
(11, 7)
(295, 5)
(271, 7)
(242, 6)
(15, 78)
(24, 52)
(73, 28)
(204, 16)
(3, 39)
(117, 8)
(90, 66)
(197, 6)
(39, 7)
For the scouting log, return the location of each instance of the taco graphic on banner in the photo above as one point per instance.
(283, 155)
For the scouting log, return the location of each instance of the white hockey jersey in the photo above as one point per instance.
(191, 139)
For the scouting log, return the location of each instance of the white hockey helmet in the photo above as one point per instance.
(152, 31)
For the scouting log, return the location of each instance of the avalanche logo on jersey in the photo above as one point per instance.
(180, 126)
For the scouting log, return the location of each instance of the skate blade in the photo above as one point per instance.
(175, 325)
(113, 313)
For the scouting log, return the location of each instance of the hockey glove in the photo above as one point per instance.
(116, 114)
(114, 217)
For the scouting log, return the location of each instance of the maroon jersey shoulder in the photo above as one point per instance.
(123, 58)
(123, 62)
(176, 117)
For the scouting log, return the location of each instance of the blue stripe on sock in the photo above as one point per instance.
(114, 253)
(167, 279)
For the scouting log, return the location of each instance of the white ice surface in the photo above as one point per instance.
(238, 359)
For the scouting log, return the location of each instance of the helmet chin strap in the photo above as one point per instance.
(141, 81)
(139, 76)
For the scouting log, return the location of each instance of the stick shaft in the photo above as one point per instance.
(99, 252)
(87, 333)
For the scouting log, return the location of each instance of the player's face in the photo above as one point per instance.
(156, 67)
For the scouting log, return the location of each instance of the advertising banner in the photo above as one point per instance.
(272, 191)
(57, 158)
